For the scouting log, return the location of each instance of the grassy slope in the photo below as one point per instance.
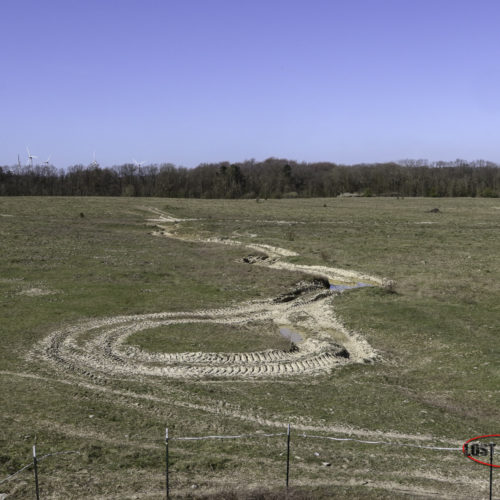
(437, 336)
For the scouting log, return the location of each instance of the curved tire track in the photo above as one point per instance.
(98, 349)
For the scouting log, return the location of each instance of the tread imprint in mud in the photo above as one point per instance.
(97, 348)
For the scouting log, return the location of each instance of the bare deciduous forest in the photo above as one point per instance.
(272, 178)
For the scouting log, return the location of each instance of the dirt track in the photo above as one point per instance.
(97, 347)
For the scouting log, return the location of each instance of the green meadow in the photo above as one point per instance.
(436, 380)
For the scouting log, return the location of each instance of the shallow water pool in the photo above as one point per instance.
(290, 335)
(341, 288)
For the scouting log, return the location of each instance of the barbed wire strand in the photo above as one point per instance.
(16, 473)
(39, 459)
(304, 435)
(331, 438)
(240, 436)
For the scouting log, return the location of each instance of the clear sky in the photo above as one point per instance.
(192, 81)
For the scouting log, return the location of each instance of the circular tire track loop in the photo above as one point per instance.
(97, 348)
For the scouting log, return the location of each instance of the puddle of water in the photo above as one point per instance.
(292, 336)
(341, 288)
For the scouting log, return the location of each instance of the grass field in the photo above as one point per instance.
(189, 337)
(435, 381)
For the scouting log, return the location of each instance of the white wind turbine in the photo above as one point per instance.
(30, 156)
(138, 163)
(47, 161)
(94, 162)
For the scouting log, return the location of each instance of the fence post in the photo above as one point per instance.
(35, 468)
(287, 455)
(167, 486)
(492, 445)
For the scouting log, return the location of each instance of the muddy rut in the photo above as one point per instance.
(97, 348)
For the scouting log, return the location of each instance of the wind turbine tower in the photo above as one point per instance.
(30, 157)
(138, 164)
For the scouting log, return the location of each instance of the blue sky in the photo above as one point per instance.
(192, 81)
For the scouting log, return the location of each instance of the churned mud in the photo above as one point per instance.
(98, 347)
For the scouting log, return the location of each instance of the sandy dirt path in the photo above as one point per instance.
(98, 347)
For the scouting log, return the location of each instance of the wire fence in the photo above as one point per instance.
(311, 436)
(258, 435)
(39, 459)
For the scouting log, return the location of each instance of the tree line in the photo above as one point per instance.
(271, 178)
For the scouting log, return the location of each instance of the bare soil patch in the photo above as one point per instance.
(102, 347)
